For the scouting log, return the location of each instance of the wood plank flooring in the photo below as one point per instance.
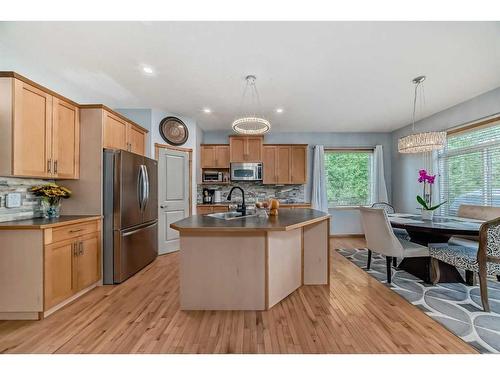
(356, 314)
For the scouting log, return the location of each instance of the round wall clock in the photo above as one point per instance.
(174, 131)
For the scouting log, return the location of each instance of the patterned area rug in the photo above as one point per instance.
(456, 306)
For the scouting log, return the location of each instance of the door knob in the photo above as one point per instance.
(163, 206)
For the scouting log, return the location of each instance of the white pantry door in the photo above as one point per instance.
(173, 196)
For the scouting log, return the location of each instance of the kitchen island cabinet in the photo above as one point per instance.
(251, 263)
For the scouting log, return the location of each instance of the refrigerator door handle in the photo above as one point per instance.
(138, 230)
(140, 185)
(146, 186)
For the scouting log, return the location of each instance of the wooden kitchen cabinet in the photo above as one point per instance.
(120, 134)
(66, 139)
(285, 164)
(39, 131)
(73, 263)
(245, 148)
(214, 156)
(136, 139)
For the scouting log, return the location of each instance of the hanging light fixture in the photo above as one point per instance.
(251, 124)
(420, 142)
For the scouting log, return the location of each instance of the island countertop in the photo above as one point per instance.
(285, 221)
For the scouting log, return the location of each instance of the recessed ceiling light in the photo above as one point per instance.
(147, 69)
(207, 110)
(279, 110)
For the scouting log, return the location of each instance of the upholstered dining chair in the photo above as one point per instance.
(381, 239)
(399, 232)
(485, 260)
(469, 211)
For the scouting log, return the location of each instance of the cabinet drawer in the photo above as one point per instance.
(74, 230)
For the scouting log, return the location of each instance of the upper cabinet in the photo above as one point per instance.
(123, 135)
(245, 148)
(39, 132)
(285, 164)
(214, 156)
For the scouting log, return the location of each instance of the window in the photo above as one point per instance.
(469, 167)
(349, 177)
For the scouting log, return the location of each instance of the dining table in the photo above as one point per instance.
(438, 230)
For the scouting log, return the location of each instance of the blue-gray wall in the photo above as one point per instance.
(405, 166)
(326, 139)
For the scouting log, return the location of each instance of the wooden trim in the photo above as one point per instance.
(190, 156)
(470, 126)
(37, 85)
(214, 144)
(245, 136)
(107, 109)
(348, 235)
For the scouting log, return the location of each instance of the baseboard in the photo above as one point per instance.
(348, 235)
(24, 315)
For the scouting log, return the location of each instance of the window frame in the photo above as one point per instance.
(443, 157)
(371, 182)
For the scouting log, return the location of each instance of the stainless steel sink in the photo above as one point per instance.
(230, 215)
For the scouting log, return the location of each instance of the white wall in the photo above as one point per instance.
(405, 166)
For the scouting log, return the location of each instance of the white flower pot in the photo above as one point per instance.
(427, 215)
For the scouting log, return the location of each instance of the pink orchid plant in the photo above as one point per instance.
(426, 201)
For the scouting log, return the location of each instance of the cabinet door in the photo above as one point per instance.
(59, 272)
(237, 149)
(32, 148)
(66, 139)
(299, 164)
(207, 158)
(222, 156)
(115, 132)
(88, 261)
(269, 164)
(283, 170)
(203, 210)
(136, 140)
(253, 149)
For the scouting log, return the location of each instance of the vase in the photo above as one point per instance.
(427, 214)
(51, 210)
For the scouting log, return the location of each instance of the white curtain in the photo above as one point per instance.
(319, 200)
(380, 189)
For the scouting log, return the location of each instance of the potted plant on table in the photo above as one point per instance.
(51, 194)
(426, 201)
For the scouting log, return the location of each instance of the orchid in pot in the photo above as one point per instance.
(426, 201)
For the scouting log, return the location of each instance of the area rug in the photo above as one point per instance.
(456, 306)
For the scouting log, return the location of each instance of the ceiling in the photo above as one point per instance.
(327, 76)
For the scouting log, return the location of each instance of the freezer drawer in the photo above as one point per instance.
(134, 249)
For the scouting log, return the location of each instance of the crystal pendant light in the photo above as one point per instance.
(420, 142)
(251, 124)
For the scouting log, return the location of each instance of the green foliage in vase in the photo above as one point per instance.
(51, 192)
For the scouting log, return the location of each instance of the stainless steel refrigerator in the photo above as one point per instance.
(130, 227)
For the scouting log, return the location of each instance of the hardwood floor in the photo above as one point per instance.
(356, 314)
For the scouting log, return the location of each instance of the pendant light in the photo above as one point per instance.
(251, 124)
(420, 142)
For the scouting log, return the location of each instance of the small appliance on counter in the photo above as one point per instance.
(217, 196)
(213, 176)
(208, 196)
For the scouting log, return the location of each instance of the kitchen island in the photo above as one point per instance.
(251, 263)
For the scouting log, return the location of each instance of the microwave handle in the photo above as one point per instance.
(259, 171)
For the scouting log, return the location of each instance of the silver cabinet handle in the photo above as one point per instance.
(80, 245)
(55, 166)
(73, 245)
(49, 163)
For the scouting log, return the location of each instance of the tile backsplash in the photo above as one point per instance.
(257, 191)
(30, 204)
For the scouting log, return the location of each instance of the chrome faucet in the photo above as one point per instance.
(243, 208)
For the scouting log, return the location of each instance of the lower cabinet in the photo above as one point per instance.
(204, 210)
(70, 266)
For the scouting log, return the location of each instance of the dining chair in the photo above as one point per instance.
(399, 232)
(485, 260)
(381, 239)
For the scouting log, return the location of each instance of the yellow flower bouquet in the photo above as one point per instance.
(51, 194)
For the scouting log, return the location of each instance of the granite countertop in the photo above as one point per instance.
(41, 223)
(286, 220)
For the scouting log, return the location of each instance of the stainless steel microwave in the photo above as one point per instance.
(246, 171)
